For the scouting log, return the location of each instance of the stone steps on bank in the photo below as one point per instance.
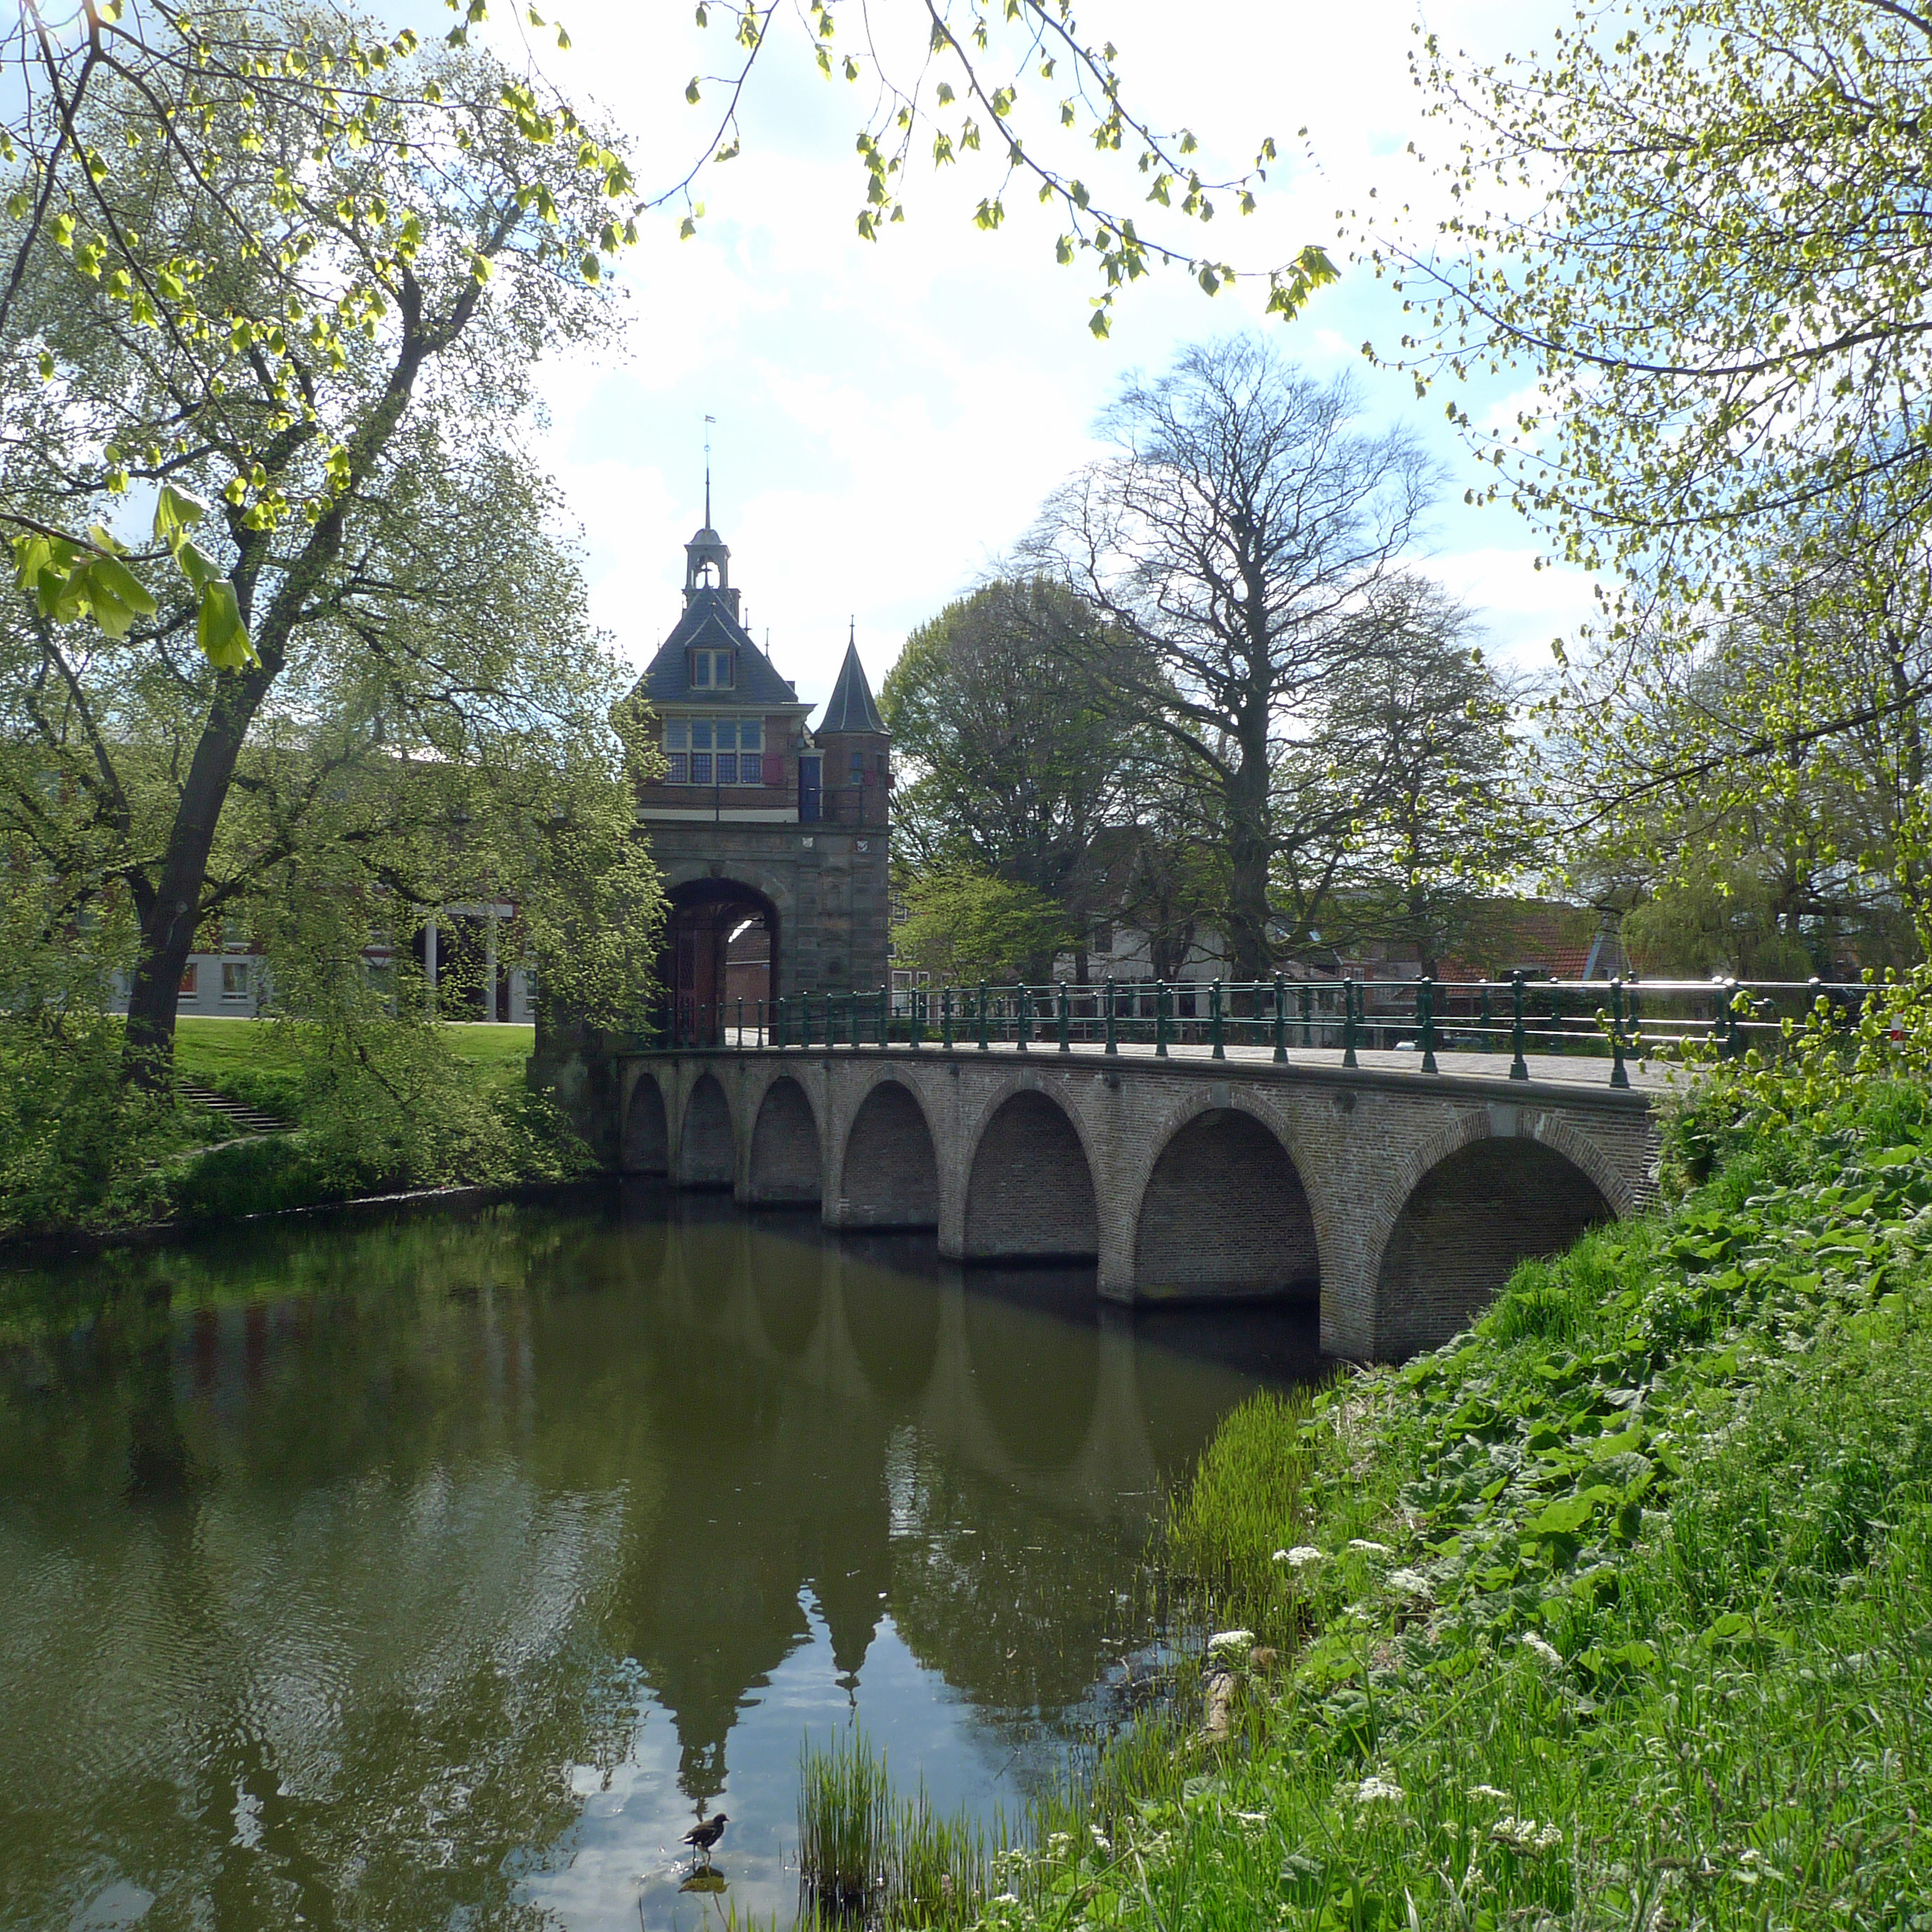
(238, 1113)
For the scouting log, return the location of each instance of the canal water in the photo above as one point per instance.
(444, 1573)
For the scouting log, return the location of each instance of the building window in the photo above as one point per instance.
(1101, 940)
(189, 973)
(711, 670)
(714, 750)
(235, 979)
(858, 768)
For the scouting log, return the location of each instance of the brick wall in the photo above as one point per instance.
(1030, 1193)
(1225, 1212)
(1468, 1223)
(891, 1174)
(785, 1163)
(646, 1142)
(705, 1152)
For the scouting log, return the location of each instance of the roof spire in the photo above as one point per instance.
(708, 421)
(851, 708)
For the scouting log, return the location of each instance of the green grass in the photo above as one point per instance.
(1621, 1616)
(255, 1061)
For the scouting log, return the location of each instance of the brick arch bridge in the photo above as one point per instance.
(1402, 1200)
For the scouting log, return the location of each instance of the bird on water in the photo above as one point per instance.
(703, 1836)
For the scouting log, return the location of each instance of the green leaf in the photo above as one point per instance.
(219, 630)
(175, 511)
(1563, 1517)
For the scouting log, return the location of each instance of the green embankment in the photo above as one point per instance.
(257, 1061)
(1617, 1612)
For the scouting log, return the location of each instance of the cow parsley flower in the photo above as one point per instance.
(1303, 1556)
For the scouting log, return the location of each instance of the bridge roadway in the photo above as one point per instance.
(1402, 1199)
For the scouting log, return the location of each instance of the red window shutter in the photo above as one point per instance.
(774, 768)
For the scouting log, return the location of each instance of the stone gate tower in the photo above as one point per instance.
(771, 836)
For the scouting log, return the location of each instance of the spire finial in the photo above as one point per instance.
(852, 633)
(708, 421)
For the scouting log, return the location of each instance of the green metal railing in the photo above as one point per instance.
(1615, 1021)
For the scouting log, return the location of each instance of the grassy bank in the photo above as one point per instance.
(1615, 1613)
(381, 1107)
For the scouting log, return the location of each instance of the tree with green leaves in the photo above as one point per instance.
(1419, 734)
(1016, 763)
(965, 926)
(1700, 230)
(1232, 539)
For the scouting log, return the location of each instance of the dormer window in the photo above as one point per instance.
(711, 670)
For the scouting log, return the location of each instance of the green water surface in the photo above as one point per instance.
(444, 1573)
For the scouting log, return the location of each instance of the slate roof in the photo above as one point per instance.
(708, 620)
(851, 708)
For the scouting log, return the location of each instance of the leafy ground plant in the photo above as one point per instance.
(1614, 1612)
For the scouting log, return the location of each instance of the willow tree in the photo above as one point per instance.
(1702, 229)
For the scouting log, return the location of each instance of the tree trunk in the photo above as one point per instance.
(167, 933)
(1249, 955)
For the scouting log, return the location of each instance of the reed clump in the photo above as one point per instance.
(870, 1857)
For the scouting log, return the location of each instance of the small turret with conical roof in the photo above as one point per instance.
(856, 748)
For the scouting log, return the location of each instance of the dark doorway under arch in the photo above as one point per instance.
(646, 1147)
(1029, 1195)
(1471, 1218)
(720, 959)
(1224, 1213)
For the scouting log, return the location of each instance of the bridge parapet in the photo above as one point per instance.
(1402, 1199)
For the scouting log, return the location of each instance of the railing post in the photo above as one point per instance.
(1425, 1010)
(1160, 992)
(945, 1017)
(1351, 997)
(1066, 1014)
(1487, 1019)
(1519, 1067)
(1619, 1078)
(1307, 1013)
(885, 1015)
(1280, 1018)
(982, 1016)
(1214, 1027)
(916, 1014)
(1113, 1043)
(739, 1041)
(1023, 1024)
(1737, 1041)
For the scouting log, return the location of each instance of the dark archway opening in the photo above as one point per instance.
(785, 1164)
(719, 964)
(890, 1177)
(705, 1152)
(1471, 1218)
(646, 1147)
(1224, 1213)
(1030, 1196)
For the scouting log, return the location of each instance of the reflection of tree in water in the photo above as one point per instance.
(447, 1483)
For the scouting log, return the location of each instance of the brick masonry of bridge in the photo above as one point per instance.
(1402, 1199)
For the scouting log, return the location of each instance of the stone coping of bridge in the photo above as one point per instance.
(1574, 1078)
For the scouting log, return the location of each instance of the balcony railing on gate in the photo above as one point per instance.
(1614, 1021)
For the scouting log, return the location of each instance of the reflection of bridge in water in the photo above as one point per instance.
(1401, 1200)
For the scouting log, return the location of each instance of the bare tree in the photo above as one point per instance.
(1234, 535)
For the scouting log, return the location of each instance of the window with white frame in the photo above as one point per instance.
(715, 751)
(235, 978)
(711, 670)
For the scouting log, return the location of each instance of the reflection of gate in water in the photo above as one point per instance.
(721, 950)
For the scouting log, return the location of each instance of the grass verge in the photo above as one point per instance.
(1615, 1613)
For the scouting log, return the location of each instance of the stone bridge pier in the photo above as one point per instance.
(1402, 1200)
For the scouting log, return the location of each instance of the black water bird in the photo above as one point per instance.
(702, 1836)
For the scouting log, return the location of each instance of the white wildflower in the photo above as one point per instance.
(1378, 1791)
(1543, 1652)
(1230, 1642)
(1409, 1583)
(1362, 1544)
(1525, 1835)
(1303, 1556)
(1489, 1791)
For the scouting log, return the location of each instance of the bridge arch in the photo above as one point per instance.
(890, 1176)
(786, 1162)
(707, 1147)
(1030, 1193)
(644, 1146)
(1223, 1211)
(1473, 1203)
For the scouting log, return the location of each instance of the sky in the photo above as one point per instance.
(890, 415)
